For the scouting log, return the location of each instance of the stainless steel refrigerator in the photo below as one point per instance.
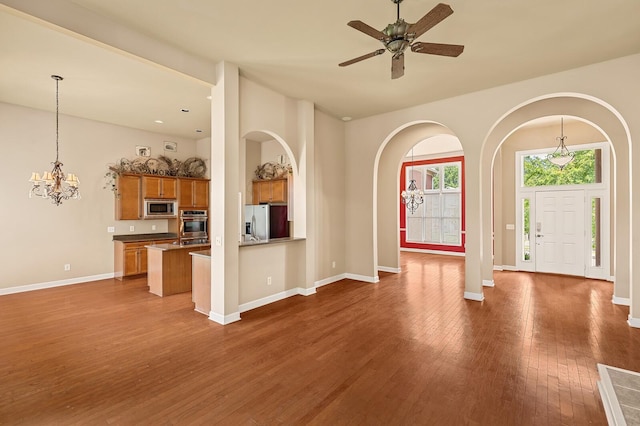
(256, 222)
(265, 221)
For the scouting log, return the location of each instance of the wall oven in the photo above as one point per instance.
(193, 227)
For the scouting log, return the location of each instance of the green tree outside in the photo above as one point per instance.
(451, 178)
(538, 171)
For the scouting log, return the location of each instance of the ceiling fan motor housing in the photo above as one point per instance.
(398, 39)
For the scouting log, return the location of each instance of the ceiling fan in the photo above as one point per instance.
(399, 36)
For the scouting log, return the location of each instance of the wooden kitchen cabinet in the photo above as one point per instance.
(128, 201)
(130, 258)
(158, 187)
(135, 260)
(270, 191)
(193, 193)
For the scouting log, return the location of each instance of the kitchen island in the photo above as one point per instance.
(201, 280)
(169, 267)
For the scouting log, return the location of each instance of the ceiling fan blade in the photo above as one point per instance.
(397, 66)
(367, 29)
(362, 58)
(437, 48)
(428, 21)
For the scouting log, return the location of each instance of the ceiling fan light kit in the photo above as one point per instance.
(399, 36)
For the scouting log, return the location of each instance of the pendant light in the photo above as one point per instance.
(561, 156)
(412, 197)
(55, 184)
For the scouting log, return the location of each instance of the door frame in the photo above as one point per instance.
(596, 190)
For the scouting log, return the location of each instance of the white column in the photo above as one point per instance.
(306, 136)
(475, 208)
(225, 185)
(486, 201)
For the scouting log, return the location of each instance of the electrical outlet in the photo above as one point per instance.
(268, 280)
(333, 264)
(111, 229)
(132, 228)
(67, 267)
(218, 241)
(153, 227)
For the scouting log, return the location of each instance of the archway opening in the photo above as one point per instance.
(270, 171)
(533, 198)
(431, 142)
(611, 125)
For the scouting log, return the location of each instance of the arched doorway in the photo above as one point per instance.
(388, 166)
(609, 123)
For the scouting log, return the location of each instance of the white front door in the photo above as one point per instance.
(559, 232)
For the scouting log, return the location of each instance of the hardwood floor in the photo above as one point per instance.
(408, 350)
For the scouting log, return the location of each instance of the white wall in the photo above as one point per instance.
(330, 197)
(270, 151)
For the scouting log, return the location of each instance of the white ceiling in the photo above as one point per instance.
(293, 47)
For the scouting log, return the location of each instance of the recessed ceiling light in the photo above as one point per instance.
(185, 110)
(209, 97)
(346, 118)
(159, 121)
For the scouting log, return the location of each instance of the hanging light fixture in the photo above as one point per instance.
(561, 156)
(412, 197)
(55, 184)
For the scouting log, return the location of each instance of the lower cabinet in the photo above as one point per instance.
(130, 258)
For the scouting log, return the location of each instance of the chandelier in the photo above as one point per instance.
(412, 197)
(55, 184)
(561, 156)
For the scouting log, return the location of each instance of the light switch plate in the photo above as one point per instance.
(511, 226)
(218, 241)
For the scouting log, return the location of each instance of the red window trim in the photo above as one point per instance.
(403, 221)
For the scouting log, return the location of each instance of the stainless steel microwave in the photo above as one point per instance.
(160, 209)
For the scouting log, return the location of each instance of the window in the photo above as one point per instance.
(585, 168)
(596, 232)
(526, 230)
(438, 222)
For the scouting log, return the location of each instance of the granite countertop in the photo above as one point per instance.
(271, 241)
(145, 237)
(201, 253)
(167, 247)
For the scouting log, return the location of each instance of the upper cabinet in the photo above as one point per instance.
(270, 191)
(128, 203)
(159, 187)
(193, 193)
(132, 190)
